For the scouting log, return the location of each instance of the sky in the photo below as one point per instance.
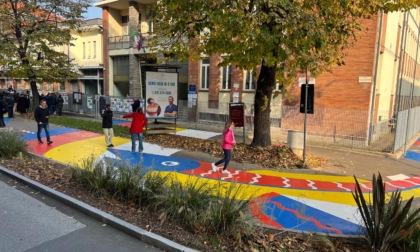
(93, 12)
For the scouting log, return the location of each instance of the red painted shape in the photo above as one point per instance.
(316, 222)
(417, 142)
(126, 124)
(41, 149)
(256, 206)
(245, 177)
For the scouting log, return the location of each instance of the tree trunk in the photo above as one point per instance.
(35, 95)
(263, 93)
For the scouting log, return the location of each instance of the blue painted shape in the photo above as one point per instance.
(413, 155)
(53, 132)
(6, 120)
(288, 217)
(153, 161)
(116, 122)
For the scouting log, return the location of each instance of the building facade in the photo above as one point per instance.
(358, 100)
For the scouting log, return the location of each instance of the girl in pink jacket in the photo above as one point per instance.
(227, 144)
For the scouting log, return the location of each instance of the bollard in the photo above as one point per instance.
(295, 141)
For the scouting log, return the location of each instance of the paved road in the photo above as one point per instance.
(31, 221)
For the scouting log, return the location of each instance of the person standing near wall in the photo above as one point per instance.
(227, 144)
(60, 102)
(135, 104)
(136, 130)
(2, 111)
(10, 101)
(107, 125)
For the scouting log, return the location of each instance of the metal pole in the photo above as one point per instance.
(304, 121)
(375, 79)
(411, 96)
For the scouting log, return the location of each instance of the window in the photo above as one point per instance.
(125, 20)
(227, 77)
(121, 68)
(94, 49)
(149, 20)
(88, 50)
(90, 72)
(74, 86)
(84, 50)
(205, 70)
(61, 86)
(250, 81)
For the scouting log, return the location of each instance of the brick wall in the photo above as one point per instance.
(341, 89)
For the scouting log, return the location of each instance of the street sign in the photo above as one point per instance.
(236, 113)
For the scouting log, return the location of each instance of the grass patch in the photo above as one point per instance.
(89, 125)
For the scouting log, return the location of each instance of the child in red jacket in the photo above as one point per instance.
(136, 130)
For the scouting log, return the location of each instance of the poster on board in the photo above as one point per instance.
(161, 95)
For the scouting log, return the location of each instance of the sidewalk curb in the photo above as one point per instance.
(141, 234)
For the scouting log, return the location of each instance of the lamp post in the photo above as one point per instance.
(308, 76)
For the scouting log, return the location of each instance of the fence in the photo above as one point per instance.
(327, 126)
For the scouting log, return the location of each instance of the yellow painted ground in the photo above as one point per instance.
(74, 153)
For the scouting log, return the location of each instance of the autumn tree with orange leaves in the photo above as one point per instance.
(30, 32)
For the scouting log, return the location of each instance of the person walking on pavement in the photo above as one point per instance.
(60, 102)
(107, 125)
(227, 144)
(41, 117)
(136, 130)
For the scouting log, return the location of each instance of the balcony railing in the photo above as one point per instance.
(123, 42)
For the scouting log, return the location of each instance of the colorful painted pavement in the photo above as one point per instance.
(302, 202)
(414, 152)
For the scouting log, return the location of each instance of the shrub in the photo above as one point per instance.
(386, 222)
(125, 183)
(97, 177)
(411, 243)
(11, 144)
(225, 213)
(183, 203)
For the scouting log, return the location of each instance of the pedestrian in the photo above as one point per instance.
(22, 103)
(107, 125)
(135, 104)
(60, 102)
(3, 110)
(41, 117)
(136, 129)
(227, 144)
(10, 100)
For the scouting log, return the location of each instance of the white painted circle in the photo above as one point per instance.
(170, 163)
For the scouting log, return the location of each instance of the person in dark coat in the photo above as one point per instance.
(2, 111)
(10, 103)
(22, 103)
(107, 125)
(41, 117)
(60, 102)
(135, 104)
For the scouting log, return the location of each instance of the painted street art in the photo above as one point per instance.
(293, 201)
